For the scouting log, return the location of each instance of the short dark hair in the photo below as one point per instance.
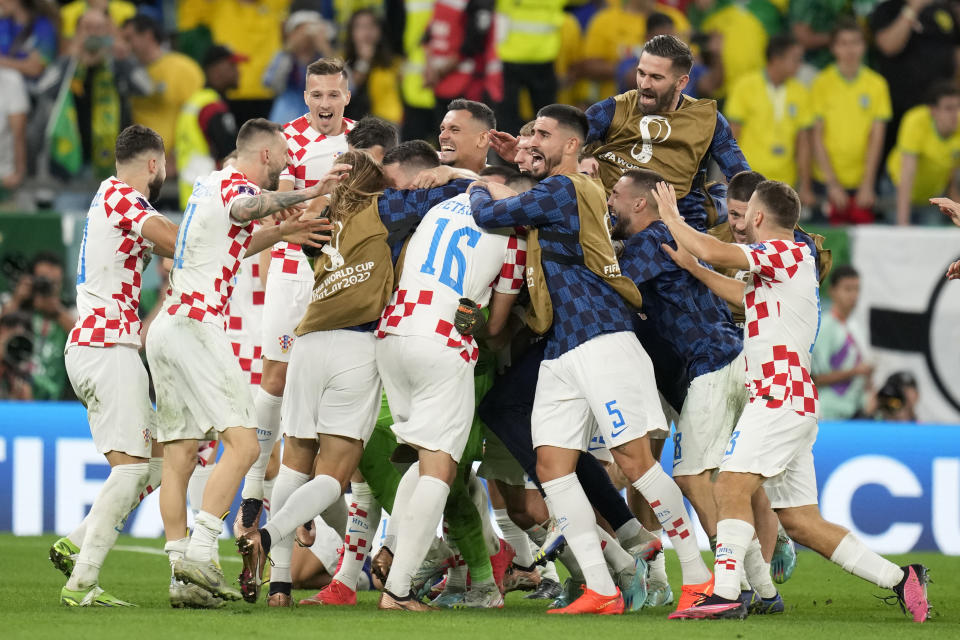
(742, 185)
(780, 202)
(657, 21)
(254, 127)
(500, 170)
(672, 47)
(569, 117)
(846, 23)
(941, 89)
(521, 182)
(842, 271)
(45, 257)
(136, 139)
(143, 23)
(371, 131)
(778, 46)
(327, 67)
(644, 181)
(415, 154)
(480, 112)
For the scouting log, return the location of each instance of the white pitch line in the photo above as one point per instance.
(160, 552)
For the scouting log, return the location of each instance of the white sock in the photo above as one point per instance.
(853, 557)
(569, 505)
(418, 522)
(356, 544)
(326, 544)
(482, 502)
(733, 538)
(110, 508)
(303, 505)
(744, 582)
(757, 571)
(336, 516)
(267, 408)
(665, 499)
(549, 572)
(515, 537)
(632, 534)
(569, 560)
(538, 533)
(657, 573)
(197, 485)
(405, 489)
(281, 551)
(457, 572)
(267, 495)
(175, 550)
(616, 556)
(206, 529)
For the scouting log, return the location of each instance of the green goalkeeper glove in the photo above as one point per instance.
(468, 320)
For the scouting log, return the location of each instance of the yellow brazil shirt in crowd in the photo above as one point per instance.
(175, 78)
(937, 157)
(744, 42)
(615, 34)
(70, 13)
(848, 109)
(770, 119)
(571, 53)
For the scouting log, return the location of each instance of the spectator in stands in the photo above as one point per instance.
(307, 37)
(373, 70)
(175, 78)
(770, 115)
(119, 11)
(13, 132)
(206, 130)
(916, 43)
(840, 365)
(16, 350)
(811, 23)
(925, 161)
(851, 105)
(571, 88)
(28, 36)
(896, 399)
(419, 120)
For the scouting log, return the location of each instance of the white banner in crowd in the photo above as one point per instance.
(911, 312)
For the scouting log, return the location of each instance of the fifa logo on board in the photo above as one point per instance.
(652, 129)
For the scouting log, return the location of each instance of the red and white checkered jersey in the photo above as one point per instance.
(782, 318)
(243, 318)
(110, 267)
(449, 257)
(311, 155)
(210, 246)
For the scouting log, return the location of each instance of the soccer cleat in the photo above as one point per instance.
(205, 575)
(381, 564)
(482, 596)
(748, 597)
(549, 589)
(389, 601)
(518, 578)
(184, 595)
(431, 569)
(593, 602)
(659, 595)
(92, 597)
(692, 594)
(63, 555)
(766, 606)
(501, 561)
(569, 592)
(335, 593)
(280, 599)
(647, 551)
(552, 546)
(784, 559)
(449, 598)
(711, 608)
(911, 592)
(633, 585)
(248, 517)
(251, 577)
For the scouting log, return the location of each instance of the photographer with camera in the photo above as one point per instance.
(16, 347)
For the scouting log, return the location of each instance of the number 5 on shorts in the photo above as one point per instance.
(733, 443)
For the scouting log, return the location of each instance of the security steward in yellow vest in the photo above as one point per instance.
(206, 131)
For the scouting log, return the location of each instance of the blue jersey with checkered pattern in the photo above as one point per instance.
(584, 306)
(723, 148)
(683, 310)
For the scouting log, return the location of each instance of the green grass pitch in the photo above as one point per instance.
(823, 602)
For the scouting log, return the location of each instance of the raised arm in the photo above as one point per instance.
(542, 205)
(730, 290)
(260, 206)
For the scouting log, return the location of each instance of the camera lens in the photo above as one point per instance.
(19, 349)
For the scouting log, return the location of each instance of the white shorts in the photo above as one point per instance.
(605, 385)
(112, 384)
(498, 463)
(597, 447)
(430, 390)
(778, 445)
(333, 387)
(284, 303)
(714, 403)
(200, 387)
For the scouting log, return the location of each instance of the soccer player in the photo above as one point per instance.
(200, 387)
(314, 141)
(102, 358)
(595, 373)
(772, 444)
(374, 135)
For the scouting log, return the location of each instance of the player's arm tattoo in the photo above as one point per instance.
(260, 206)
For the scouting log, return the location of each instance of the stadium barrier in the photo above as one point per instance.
(895, 485)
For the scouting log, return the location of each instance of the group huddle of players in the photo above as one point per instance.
(550, 316)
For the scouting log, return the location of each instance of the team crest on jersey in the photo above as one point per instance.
(864, 101)
(792, 109)
(146, 435)
(285, 343)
